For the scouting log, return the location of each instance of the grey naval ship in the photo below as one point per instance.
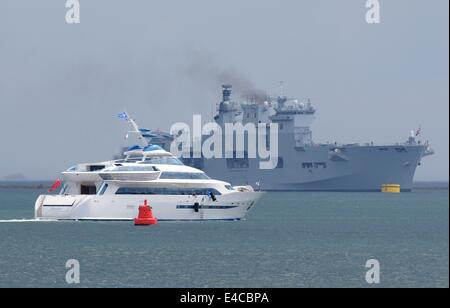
(304, 165)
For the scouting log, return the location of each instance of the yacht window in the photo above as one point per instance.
(134, 168)
(103, 189)
(88, 190)
(183, 176)
(96, 167)
(229, 187)
(166, 191)
(133, 158)
(164, 160)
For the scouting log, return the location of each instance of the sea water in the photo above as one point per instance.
(288, 240)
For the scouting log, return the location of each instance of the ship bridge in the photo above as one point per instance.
(294, 116)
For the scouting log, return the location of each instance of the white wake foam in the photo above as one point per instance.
(25, 220)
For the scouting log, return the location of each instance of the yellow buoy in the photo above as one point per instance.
(391, 188)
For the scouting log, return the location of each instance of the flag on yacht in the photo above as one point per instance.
(123, 116)
(55, 185)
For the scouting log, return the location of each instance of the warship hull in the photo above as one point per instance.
(304, 165)
(321, 168)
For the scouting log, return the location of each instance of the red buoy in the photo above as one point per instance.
(145, 216)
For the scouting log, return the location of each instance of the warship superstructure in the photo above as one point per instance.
(304, 165)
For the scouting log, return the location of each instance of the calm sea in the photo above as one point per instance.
(288, 240)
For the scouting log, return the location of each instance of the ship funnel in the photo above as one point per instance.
(226, 92)
(281, 100)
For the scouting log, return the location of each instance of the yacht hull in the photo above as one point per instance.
(232, 206)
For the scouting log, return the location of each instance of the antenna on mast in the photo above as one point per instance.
(281, 88)
(281, 100)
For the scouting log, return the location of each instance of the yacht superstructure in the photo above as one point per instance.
(113, 190)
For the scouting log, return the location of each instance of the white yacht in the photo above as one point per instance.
(113, 190)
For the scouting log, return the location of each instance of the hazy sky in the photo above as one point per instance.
(61, 85)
